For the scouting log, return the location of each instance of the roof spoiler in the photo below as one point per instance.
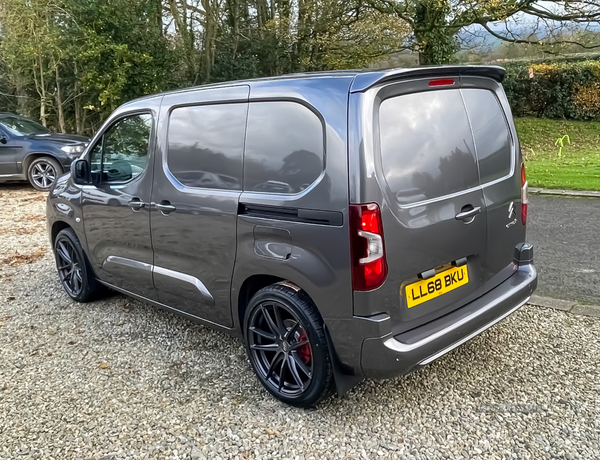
(363, 82)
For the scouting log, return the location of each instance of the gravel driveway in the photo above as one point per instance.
(117, 379)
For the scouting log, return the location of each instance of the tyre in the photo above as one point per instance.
(74, 270)
(43, 172)
(286, 344)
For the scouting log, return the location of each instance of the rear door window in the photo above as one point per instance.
(284, 148)
(427, 147)
(492, 138)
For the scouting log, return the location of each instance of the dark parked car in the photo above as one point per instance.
(346, 225)
(28, 151)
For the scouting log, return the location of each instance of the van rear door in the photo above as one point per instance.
(497, 149)
(438, 155)
(433, 212)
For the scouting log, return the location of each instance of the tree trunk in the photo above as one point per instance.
(21, 99)
(78, 114)
(158, 11)
(59, 103)
(43, 112)
(235, 17)
(42, 94)
(303, 35)
(261, 14)
(186, 34)
(83, 120)
(78, 104)
(424, 57)
(210, 34)
(436, 42)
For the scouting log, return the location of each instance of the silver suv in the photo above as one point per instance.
(346, 225)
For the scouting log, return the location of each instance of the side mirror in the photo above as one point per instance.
(80, 172)
(3, 139)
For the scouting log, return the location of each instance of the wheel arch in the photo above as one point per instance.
(30, 157)
(255, 283)
(249, 287)
(57, 227)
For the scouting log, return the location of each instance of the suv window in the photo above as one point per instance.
(206, 145)
(122, 153)
(492, 138)
(284, 147)
(427, 147)
(22, 126)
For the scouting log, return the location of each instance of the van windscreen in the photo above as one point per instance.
(427, 147)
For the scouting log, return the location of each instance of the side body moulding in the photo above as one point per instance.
(189, 279)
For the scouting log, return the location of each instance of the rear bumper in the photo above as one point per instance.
(389, 355)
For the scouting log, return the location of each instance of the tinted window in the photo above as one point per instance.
(22, 126)
(426, 145)
(122, 153)
(492, 138)
(206, 145)
(284, 148)
(96, 157)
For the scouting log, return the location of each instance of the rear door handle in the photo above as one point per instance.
(165, 207)
(136, 204)
(468, 215)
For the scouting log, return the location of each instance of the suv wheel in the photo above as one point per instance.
(43, 172)
(75, 273)
(286, 345)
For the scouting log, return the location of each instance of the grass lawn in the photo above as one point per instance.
(578, 167)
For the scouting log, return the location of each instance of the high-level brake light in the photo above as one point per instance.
(442, 82)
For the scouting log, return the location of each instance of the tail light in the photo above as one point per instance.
(524, 198)
(369, 267)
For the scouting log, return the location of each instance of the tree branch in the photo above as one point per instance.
(533, 42)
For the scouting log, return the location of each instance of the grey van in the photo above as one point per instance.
(346, 225)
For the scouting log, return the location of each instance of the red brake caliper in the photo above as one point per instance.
(304, 350)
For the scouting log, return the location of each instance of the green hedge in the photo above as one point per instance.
(568, 90)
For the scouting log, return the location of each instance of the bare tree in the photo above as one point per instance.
(435, 24)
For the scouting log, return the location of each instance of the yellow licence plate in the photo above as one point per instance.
(446, 281)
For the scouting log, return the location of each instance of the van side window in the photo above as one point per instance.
(427, 147)
(492, 139)
(206, 145)
(284, 147)
(121, 154)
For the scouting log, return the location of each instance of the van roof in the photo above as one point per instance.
(363, 78)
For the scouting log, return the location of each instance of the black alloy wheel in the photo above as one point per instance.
(280, 347)
(286, 344)
(74, 271)
(69, 267)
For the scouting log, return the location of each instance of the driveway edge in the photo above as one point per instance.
(550, 191)
(565, 305)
